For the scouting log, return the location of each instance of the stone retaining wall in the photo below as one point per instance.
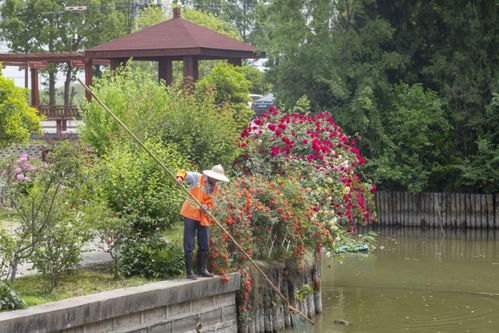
(204, 305)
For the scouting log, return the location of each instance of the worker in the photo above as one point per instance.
(204, 188)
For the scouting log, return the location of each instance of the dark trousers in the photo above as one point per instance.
(191, 228)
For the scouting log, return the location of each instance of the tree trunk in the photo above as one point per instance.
(14, 270)
(67, 85)
(52, 78)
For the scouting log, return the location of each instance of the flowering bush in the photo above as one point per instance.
(315, 150)
(298, 193)
(52, 202)
(270, 219)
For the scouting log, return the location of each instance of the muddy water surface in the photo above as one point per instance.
(415, 282)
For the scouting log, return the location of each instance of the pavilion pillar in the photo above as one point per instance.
(235, 61)
(35, 89)
(89, 75)
(165, 70)
(190, 68)
(115, 63)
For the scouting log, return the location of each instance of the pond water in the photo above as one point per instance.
(415, 281)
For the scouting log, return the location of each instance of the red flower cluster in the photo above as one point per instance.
(269, 219)
(314, 148)
(299, 187)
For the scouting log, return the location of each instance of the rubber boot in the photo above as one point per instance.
(188, 266)
(203, 264)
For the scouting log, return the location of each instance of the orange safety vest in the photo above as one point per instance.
(190, 208)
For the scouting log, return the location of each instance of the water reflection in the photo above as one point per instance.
(416, 281)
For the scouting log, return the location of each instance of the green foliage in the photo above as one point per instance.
(9, 299)
(68, 217)
(481, 172)
(41, 26)
(208, 20)
(17, 119)
(78, 283)
(230, 83)
(136, 198)
(258, 84)
(149, 16)
(7, 250)
(205, 133)
(348, 57)
(416, 144)
(137, 190)
(454, 50)
(137, 99)
(152, 258)
(231, 91)
(240, 13)
(303, 292)
(51, 202)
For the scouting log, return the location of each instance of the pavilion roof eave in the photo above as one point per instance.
(21, 59)
(201, 53)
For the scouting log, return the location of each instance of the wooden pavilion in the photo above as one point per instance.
(173, 40)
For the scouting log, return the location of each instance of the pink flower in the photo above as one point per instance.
(20, 176)
(18, 170)
(274, 151)
(373, 188)
(4, 172)
(24, 158)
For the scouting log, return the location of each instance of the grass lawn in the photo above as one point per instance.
(175, 234)
(33, 289)
(90, 280)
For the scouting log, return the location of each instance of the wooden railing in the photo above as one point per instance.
(438, 210)
(60, 112)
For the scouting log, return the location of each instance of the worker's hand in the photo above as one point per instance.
(204, 208)
(180, 181)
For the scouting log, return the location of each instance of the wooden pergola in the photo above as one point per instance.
(37, 61)
(173, 40)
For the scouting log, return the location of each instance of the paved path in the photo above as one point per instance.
(89, 259)
(92, 254)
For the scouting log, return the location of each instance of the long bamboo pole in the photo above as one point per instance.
(225, 231)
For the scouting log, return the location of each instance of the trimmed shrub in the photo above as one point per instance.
(152, 258)
(9, 299)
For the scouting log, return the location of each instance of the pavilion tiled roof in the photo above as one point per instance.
(176, 35)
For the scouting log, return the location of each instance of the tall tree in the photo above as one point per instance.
(240, 13)
(45, 26)
(348, 56)
(334, 53)
(454, 49)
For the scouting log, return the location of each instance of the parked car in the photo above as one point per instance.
(253, 98)
(263, 104)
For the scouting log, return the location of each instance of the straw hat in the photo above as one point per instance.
(217, 172)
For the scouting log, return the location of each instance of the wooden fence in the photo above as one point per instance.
(438, 210)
